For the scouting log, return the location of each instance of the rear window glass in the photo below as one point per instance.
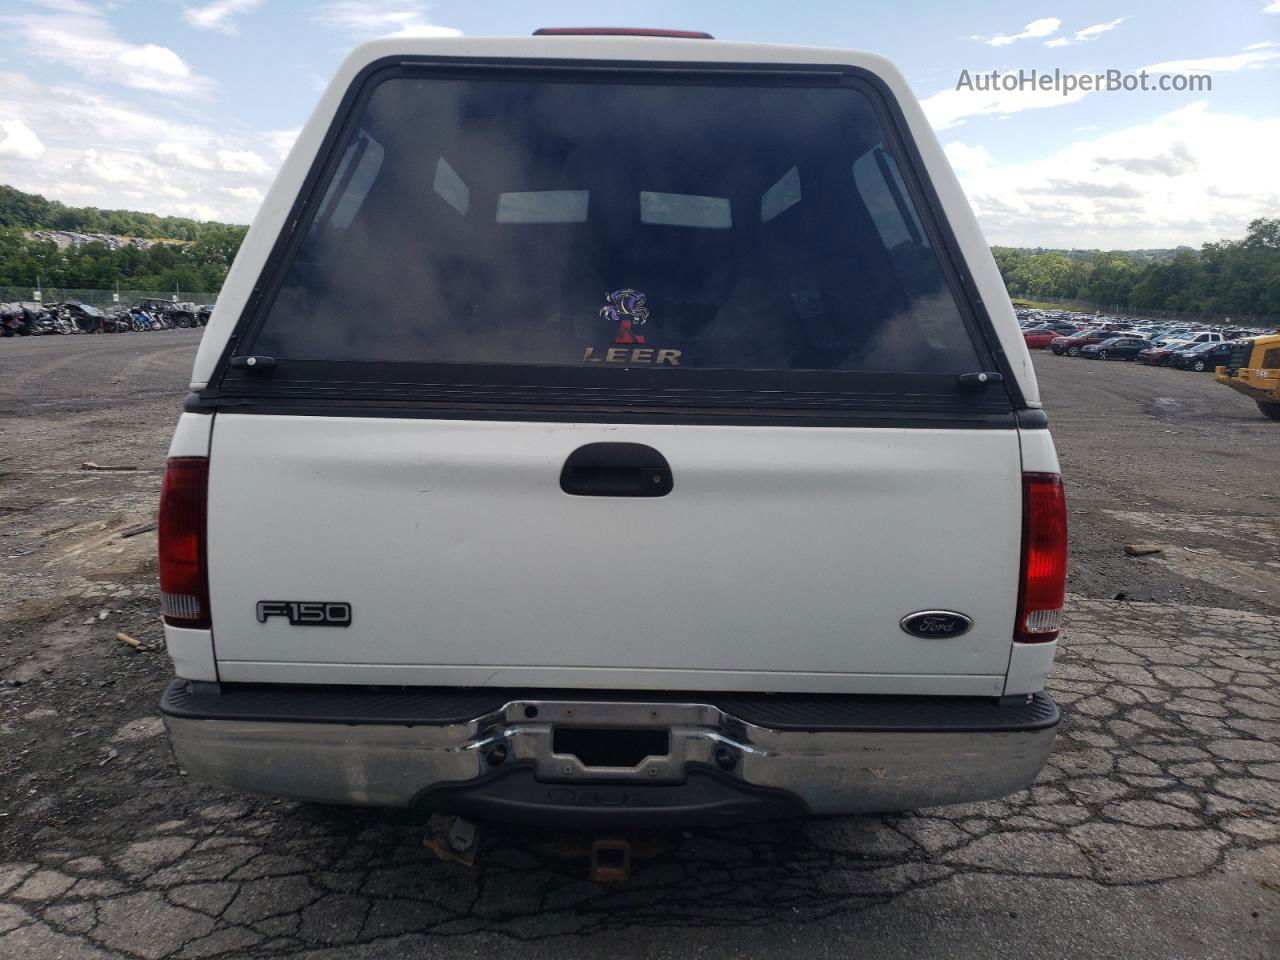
(666, 224)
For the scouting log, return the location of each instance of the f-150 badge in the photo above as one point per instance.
(307, 613)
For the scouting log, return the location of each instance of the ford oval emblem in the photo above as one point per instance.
(936, 624)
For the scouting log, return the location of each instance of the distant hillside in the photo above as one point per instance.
(33, 212)
(1237, 277)
(46, 242)
(1084, 256)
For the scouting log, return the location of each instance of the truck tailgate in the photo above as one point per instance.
(782, 559)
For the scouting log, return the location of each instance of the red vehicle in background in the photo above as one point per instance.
(1040, 337)
(1161, 356)
(1072, 345)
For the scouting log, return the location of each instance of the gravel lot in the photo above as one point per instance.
(1153, 832)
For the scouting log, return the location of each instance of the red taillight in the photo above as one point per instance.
(184, 575)
(1043, 584)
(620, 32)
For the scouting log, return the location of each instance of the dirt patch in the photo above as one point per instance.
(50, 644)
(40, 609)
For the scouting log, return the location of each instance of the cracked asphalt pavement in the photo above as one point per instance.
(1154, 831)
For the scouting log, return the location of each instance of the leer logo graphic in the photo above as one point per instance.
(627, 308)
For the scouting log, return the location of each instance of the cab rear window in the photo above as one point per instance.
(589, 223)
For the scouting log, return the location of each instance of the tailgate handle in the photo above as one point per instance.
(616, 470)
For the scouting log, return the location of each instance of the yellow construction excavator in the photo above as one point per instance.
(1253, 368)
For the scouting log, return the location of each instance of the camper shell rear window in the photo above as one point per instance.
(668, 231)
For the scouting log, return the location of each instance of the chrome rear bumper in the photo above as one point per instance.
(504, 763)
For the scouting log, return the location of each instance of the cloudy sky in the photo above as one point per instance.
(187, 107)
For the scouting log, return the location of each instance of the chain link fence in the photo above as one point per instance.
(101, 298)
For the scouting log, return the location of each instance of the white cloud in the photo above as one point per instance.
(1157, 184)
(68, 6)
(950, 108)
(151, 67)
(252, 194)
(281, 141)
(116, 167)
(1264, 44)
(402, 18)
(1239, 61)
(160, 165)
(1175, 161)
(219, 15)
(19, 140)
(1099, 28)
(89, 115)
(196, 211)
(243, 161)
(1272, 7)
(1086, 34)
(79, 37)
(1043, 27)
(965, 157)
(183, 155)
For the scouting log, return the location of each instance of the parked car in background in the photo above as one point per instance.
(1061, 326)
(1064, 321)
(1161, 337)
(1206, 336)
(1117, 348)
(173, 314)
(1191, 336)
(1059, 344)
(85, 317)
(1159, 356)
(1201, 357)
(1040, 337)
(18, 319)
(1072, 345)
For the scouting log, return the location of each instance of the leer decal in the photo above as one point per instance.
(627, 309)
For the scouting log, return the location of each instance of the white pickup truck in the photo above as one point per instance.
(613, 427)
